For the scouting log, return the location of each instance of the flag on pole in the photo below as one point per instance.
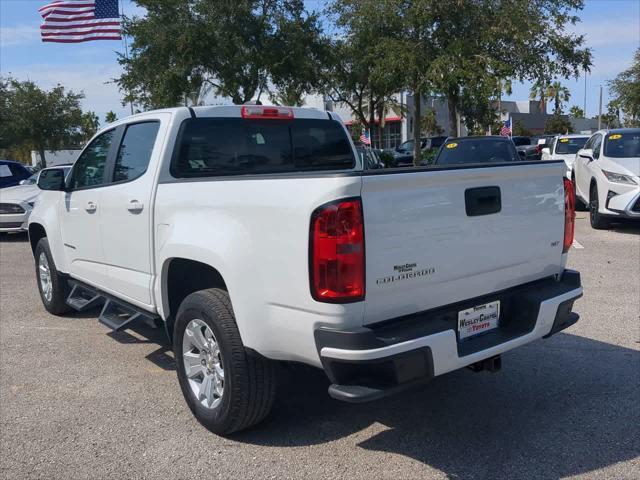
(505, 131)
(75, 21)
(364, 138)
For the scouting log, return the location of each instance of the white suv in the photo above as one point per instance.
(565, 147)
(606, 175)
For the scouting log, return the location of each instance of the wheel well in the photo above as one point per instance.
(36, 232)
(185, 277)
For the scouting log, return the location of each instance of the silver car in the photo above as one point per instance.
(17, 202)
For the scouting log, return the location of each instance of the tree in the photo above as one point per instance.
(559, 94)
(39, 119)
(611, 119)
(110, 117)
(576, 112)
(559, 125)
(355, 74)
(520, 130)
(184, 49)
(539, 91)
(89, 124)
(429, 124)
(625, 89)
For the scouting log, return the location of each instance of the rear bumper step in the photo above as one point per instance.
(375, 361)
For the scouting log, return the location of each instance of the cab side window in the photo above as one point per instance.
(135, 151)
(88, 171)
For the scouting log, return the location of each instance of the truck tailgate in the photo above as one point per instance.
(436, 237)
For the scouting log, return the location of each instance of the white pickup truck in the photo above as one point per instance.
(256, 236)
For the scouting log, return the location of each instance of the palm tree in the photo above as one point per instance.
(560, 94)
(539, 90)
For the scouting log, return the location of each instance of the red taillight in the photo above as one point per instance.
(259, 111)
(337, 252)
(569, 214)
(538, 148)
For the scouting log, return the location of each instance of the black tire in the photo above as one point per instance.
(249, 380)
(598, 221)
(56, 304)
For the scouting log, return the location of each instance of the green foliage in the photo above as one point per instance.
(429, 155)
(559, 94)
(90, 123)
(33, 118)
(110, 117)
(184, 49)
(520, 130)
(558, 124)
(625, 89)
(387, 159)
(611, 119)
(429, 124)
(576, 112)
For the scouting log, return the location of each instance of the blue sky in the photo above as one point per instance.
(612, 29)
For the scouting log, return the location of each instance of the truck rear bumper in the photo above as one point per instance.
(370, 362)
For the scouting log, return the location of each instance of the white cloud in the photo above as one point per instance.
(94, 80)
(19, 35)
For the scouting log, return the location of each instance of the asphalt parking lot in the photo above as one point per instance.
(79, 402)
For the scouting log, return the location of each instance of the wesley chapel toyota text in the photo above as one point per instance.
(256, 236)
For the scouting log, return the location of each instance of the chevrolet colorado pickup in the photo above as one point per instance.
(256, 236)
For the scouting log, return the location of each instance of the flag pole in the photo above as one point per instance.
(126, 47)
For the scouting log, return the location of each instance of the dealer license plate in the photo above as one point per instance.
(477, 320)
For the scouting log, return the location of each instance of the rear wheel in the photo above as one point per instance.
(226, 388)
(598, 221)
(52, 286)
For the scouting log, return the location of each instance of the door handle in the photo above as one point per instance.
(91, 207)
(135, 206)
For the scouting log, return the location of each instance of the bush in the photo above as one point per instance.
(387, 159)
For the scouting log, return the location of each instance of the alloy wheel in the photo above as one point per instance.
(202, 363)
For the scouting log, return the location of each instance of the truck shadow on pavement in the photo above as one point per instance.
(560, 407)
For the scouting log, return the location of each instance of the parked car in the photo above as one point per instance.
(525, 147)
(12, 173)
(256, 236)
(480, 149)
(17, 202)
(403, 154)
(606, 175)
(564, 147)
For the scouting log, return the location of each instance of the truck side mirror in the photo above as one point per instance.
(586, 153)
(51, 179)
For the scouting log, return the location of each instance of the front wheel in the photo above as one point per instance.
(226, 388)
(52, 286)
(598, 221)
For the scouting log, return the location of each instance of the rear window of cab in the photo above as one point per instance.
(236, 146)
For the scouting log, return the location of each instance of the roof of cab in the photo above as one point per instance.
(234, 112)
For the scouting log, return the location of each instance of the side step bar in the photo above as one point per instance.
(116, 314)
(82, 298)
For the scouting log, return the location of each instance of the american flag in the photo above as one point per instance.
(364, 138)
(505, 131)
(74, 21)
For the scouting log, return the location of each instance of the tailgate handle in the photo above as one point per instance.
(482, 201)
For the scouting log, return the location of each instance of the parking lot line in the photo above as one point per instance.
(577, 245)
